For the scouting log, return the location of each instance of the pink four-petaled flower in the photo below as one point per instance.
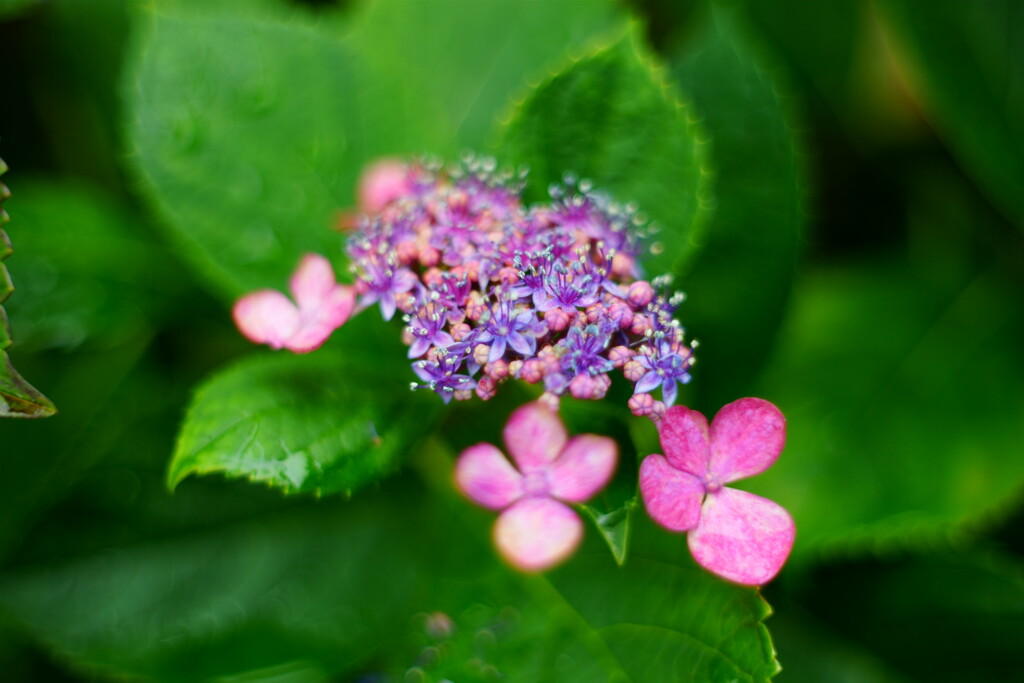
(536, 529)
(269, 317)
(733, 533)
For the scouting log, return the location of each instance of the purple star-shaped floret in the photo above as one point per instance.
(584, 351)
(665, 367)
(428, 329)
(384, 281)
(509, 326)
(442, 375)
(568, 289)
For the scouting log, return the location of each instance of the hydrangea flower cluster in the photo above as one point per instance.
(490, 289)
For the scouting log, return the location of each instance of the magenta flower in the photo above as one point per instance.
(735, 534)
(269, 317)
(536, 529)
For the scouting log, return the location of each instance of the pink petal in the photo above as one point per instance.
(381, 183)
(584, 467)
(746, 438)
(319, 324)
(742, 537)
(535, 436)
(485, 475)
(312, 282)
(684, 438)
(266, 317)
(537, 533)
(672, 497)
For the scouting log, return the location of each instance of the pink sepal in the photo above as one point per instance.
(684, 438)
(534, 436)
(266, 317)
(746, 438)
(485, 475)
(672, 497)
(537, 533)
(382, 183)
(742, 537)
(583, 468)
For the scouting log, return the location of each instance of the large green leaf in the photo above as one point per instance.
(18, 398)
(249, 134)
(965, 62)
(326, 422)
(659, 618)
(458, 62)
(611, 117)
(903, 405)
(739, 286)
(313, 588)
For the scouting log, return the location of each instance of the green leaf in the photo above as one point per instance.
(18, 398)
(967, 606)
(903, 404)
(965, 62)
(327, 422)
(249, 134)
(610, 117)
(457, 63)
(659, 618)
(87, 274)
(318, 585)
(614, 526)
(740, 285)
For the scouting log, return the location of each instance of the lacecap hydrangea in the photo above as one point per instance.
(490, 290)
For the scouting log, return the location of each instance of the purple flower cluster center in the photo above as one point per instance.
(490, 289)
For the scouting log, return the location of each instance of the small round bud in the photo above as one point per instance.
(640, 294)
(633, 370)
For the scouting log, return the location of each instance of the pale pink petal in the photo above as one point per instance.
(319, 324)
(672, 497)
(535, 436)
(537, 533)
(381, 183)
(266, 317)
(742, 537)
(312, 282)
(684, 438)
(746, 438)
(584, 467)
(485, 475)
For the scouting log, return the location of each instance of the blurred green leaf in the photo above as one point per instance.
(326, 422)
(819, 39)
(965, 62)
(611, 117)
(84, 274)
(318, 584)
(811, 652)
(968, 607)
(740, 284)
(903, 404)
(18, 398)
(458, 62)
(249, 134)
(12, 8)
